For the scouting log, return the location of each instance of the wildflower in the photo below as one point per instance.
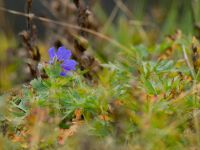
(63, 57)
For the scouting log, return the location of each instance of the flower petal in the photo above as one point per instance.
(63, 54)
(52, 53)
(63, 74)
(69, 65)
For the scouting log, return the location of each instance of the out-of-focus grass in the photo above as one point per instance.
(6, 43)
(6, 68)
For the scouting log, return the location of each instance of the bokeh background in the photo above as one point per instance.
(128, 21)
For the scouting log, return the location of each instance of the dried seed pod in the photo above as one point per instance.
(168, 52)
(196, 54)
(85, 60)
(29, 40)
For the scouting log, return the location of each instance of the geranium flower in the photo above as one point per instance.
(63, 57)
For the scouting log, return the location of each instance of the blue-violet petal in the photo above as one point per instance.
(63, 54)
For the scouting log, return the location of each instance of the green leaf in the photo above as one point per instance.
(39, 85)
(164, 66)
(149, 87)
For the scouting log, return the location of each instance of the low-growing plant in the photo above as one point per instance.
(152, 104)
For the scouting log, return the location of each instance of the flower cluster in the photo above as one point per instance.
(63, 57)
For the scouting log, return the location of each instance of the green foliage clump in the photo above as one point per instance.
(136, 102)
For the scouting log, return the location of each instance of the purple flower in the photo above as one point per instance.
(63, 56)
